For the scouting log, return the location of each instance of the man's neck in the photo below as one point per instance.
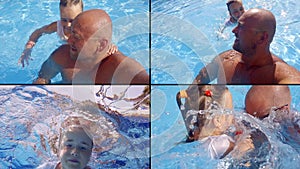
(260, 60)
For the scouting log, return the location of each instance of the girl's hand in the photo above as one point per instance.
(112, 49)
(26, 54)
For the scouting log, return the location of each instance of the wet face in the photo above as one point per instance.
(87, 45)
(75, 149)
(236, 10)
(67, 15)
(223, 121)
(246, 35)
(82, 45)
(217, 125)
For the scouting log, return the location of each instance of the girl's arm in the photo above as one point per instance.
(47, 29)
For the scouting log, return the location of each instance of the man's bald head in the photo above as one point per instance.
(260, 99)
(94, 23)
(262, 20)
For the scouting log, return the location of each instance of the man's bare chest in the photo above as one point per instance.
(254, 75)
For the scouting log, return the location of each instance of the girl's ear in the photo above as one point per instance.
(227, 99)
(216, 121)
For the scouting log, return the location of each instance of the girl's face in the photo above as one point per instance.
(76, 148)
(67, 15)
(217, 125)
(236, 10)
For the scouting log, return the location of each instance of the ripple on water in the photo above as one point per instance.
(31, 123)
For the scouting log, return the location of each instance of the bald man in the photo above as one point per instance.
(84, 59)
(251, 61)
(260, 99)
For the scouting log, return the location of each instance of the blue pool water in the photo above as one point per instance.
(185, 35)
(168, 130)
(18, 19)
(30, 121)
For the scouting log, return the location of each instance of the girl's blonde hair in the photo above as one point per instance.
(64, 3)
(202, 97)
(229, 2)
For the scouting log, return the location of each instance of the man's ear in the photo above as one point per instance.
(264, 38)
(102, 44)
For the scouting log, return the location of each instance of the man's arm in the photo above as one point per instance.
(141, 78)
(48, 70)
(214, 69)
(208, 73)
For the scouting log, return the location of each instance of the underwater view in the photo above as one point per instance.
(33, 117)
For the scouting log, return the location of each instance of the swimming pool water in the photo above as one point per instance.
(187, 34)
(18, 19)
(184, 38)
(31, 117)
(168, 132)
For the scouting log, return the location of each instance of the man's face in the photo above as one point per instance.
(246, 35)
(67, 15)
(236, 10)
(82, 45)
(75, 149)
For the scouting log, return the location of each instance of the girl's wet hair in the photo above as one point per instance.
(205, 96)
(64, 3)
(229, 2)
(69, 124)
(72, 128)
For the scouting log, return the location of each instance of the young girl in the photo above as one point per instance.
(200, 97)
(75, 146)
(214, 130)
(69, 9)
(235, 9)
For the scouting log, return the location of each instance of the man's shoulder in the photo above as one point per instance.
(61, 53)
(282, 65)
(230, 55)
(230, 52)
(115, 58)
(117, 55)
(63, 49)
(285, 73)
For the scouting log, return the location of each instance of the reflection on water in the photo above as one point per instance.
(20, 19)
(31, 118)
(189, 31)
(277, 141)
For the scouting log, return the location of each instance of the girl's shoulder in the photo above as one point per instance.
(229, 23)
